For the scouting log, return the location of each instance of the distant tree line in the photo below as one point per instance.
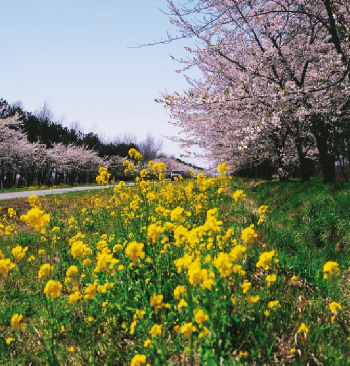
(37, 150)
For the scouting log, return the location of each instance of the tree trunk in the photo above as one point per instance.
(327, 160)
(304, 164)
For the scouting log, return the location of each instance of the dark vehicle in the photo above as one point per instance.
(177, 173)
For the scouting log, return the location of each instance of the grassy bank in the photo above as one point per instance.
(169, 273)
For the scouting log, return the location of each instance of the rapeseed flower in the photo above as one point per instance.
(156, 330)
(132, 327)
(330, 269)
(265, 259)
(74, 297)
(273, 304)
(252, 299)
(79, 249)
(183, 303)
(46, 270)
(19, 252)
(303, 328)
(245, 287)
(135, 251)
(187, 329)
(71, 271)
(16, 321)
(200, 316)
(157, 303)
(334, 306)
(271, 278)
(53, 289)
(36, 218)
(224, 264)
(180, 290)
(90, 291)
(5, 266)
(248, 234)
(138, 360)
(147, 343)
(238, 195)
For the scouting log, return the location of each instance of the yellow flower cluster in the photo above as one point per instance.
(103, 177)
(46, 270)
(222, 169)
(238, 195)
(330, 269)
(19, 252)
(36, 218)
(135, 155)
(53, 289)
(134, 251)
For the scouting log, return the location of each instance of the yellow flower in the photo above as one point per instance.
(249, 234)
(36, 218)
(135, 251)
(9, 340)
(263, 209)
(271, 278)
(265, 259)
(5, 266)
(90, 292)
(53, 289)
(204, 332)
(273, 304)
(252, 299)
(156, 330)
(200, 316)
(11, 212)
(16, 320)
(103, 176)
(71, 271)
(187, 329)
(183, 303)
(222, 169)
(138, 360)
(41, 251)
(330, 269)
(79, 249)
(157, 302)
(238, 195)
(303, 328)
(139, 314)
(180, 290)
(245, 287)
(74, 297)
(46, 270)
(86, 262)
(147, 343)
(19, 252)
(33, 200)
(91, 319)
(224, 264)
(133, 326)
(334, 306)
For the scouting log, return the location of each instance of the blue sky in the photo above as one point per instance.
(76, 56)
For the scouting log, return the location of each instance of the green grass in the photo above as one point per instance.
(305, 226)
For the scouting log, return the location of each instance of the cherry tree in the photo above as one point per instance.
(275, 80)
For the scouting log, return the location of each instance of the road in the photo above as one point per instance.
(46, 192)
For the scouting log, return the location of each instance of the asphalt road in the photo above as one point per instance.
(44, 192)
